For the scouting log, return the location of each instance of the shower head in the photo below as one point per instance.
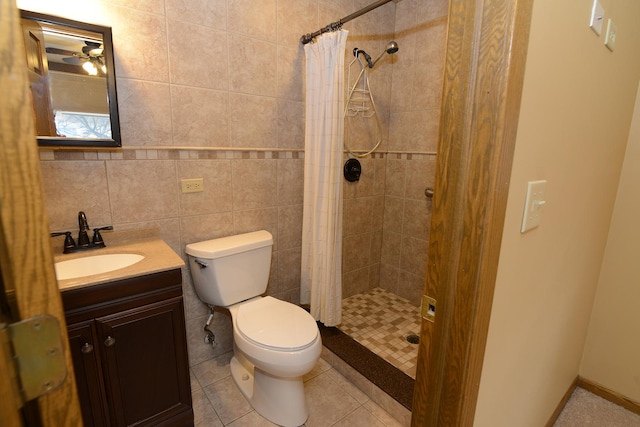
(392, 47)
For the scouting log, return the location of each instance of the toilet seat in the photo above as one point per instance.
(275, 324)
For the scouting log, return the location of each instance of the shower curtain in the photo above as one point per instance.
(321, 276)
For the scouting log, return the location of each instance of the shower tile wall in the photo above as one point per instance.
(386, 225)
(407, 215)
(363, 207)
(386, 213)
(362, 228)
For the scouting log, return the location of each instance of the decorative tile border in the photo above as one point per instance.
(191, 153)
(182, 153)
(402, 155)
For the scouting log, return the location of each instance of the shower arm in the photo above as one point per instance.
(388, 50)
(375, 61)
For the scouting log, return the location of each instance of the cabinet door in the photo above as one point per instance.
(86, 365)
(145, 364)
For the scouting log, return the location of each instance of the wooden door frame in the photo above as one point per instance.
(484, 72)
(26, 259)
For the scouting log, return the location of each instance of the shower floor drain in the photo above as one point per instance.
(413, 339)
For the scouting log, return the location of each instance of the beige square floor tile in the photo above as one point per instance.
(321, 367)
(252, 419)
(327, 401)
(195, 385)
(227, 400)
(381, 414)
(359, 418)
(203, 413)
(212, 370)
(347, 386)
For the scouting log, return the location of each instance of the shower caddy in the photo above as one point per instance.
(360, 101)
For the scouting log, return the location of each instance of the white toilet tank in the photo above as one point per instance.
(231, 269)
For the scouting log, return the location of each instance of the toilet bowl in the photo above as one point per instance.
(270, 360)
(275, 342)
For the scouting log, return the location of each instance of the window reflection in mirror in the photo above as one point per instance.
(72, 81)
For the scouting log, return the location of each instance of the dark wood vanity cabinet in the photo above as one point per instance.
(129, 351)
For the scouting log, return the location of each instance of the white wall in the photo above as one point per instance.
(612, 353)
(578, 99)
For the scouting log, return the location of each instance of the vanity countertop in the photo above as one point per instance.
(158, 256)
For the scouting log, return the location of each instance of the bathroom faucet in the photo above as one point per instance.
(83, 225)
(83, 237)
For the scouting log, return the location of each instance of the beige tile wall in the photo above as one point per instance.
(413, 127)
(193, 75)
(386, 214)
(240, 195)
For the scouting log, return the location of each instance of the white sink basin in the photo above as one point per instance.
(96, 264)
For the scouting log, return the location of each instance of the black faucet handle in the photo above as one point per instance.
(69, 243)
(97, 237)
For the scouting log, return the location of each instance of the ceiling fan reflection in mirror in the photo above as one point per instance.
(69, 50)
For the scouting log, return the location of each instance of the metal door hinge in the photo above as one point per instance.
(35, 347)
(428, 308)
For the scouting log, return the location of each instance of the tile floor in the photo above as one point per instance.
(381, 321)
(332, 399)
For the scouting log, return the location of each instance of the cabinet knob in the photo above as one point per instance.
(109, 341)
(86, 348)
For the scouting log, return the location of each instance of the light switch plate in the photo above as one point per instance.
(597, 17)
(533, 205)
(610, 37)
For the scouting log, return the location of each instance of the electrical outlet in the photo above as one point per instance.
(193, 185)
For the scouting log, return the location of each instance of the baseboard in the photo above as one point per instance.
(598, 390)
(563, 402)
(610, 395)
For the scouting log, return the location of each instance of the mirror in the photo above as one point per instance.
(72, 81)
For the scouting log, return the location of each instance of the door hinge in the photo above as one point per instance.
(428, 308)
(35, 348)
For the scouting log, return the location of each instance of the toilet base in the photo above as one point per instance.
(280, 400)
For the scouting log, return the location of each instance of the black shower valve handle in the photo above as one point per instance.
(97, 237)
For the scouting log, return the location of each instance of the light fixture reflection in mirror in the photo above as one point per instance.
(71, 74)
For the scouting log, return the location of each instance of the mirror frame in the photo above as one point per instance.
(115, 140)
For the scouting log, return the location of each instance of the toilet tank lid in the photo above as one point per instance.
(230, 245)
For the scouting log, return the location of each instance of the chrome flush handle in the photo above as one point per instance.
(202, 264)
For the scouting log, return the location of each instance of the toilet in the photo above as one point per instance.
(275, 342)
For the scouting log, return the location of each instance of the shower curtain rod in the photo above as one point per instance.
(307, 38)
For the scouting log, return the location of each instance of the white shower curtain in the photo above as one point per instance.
(321, 277)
